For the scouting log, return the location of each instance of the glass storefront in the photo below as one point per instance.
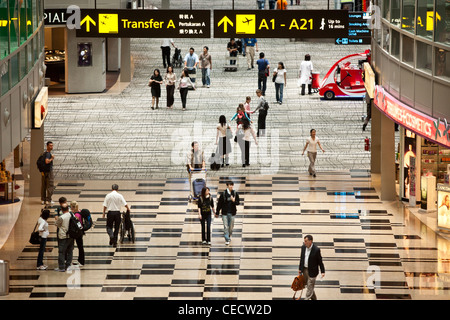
(442, 63)
(442, 20)
(424, 25)
(408, 15)
(408, 50)
(424, 56)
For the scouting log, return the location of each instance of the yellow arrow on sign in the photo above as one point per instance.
(225, 21)
(88, 20)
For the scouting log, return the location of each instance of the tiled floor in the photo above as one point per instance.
(361, 238)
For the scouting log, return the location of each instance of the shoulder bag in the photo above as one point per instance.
(34, 238)
(298, 285)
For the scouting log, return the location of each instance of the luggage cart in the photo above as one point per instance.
(197, 180)
(228, 66)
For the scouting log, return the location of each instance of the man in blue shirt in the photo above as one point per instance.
(249, 45)
(263, 71)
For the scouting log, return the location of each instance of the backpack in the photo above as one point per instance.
(266, 105)
(41, 165)
(75, 228)
(87, 219)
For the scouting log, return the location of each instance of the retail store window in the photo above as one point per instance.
(425, 22)
(424, 56)
(442, 62)
(30, 17)
(395, 12)
(395, 43)
(14, 30)
(408, 50)
(386, 11)
(386, 38)
(442, 20)
(4, 34)
(4, 75)
(14, 69)
(23, 22)
(408, 15)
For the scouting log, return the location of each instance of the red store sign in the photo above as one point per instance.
(432, 129)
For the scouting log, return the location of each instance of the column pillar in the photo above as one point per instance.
(125, 60)
(375, 132)
(387, 163)
(36, 149)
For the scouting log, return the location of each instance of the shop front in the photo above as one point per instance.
(423, 153)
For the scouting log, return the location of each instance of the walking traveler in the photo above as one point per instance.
(65, 242)
(250, 44)
(247, 108)
(43, 235)
(232, 48)
(79, 240)
(282, 4)
(205, 211)
(272, 4)
(206, 66)
(170, 79)
(184, 84)
(112, 205)
(244, 141)
(311, 145)
(195, 158)
(226, 206)
(155, 83)
(261, 4)
(240, 114)
(48, 177)
(279, 76)
(262, 109)
(263, 72)
(310, 262)
(305, 74)
(223, 140)
(165, 48)
(190, 63)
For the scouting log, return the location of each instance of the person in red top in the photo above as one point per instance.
(281, 4)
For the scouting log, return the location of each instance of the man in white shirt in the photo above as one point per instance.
(165, 48)
(190, 63)
(114, 201)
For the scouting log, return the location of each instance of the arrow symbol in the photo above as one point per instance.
(338, 40)
(88, 20)
(225, 21)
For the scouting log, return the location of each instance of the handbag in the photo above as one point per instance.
(34, 238)
(229, 134)
(297, 285)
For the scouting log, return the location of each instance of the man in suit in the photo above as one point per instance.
(310, 261)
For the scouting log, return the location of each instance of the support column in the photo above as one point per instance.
(387, 163)
(375, 132)
(125, 60)
(36, 149)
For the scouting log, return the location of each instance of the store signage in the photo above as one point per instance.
(443, 206)
(280, 23)
(369, 79)
(436, 130)
(54, 17)
(358, 29)
(145, 23)
(40, 108)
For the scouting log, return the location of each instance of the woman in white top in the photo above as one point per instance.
(43, 234)
(245, 141)
(280, 81)
(311, 143)
(306, 69)
(223, 141)
(184, 84)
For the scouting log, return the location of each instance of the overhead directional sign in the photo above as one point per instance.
(358, 29)
(145, 23)
(281, 23)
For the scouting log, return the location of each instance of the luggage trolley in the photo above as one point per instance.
(197, 180)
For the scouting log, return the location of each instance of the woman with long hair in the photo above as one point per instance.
(223, 141)
(205, 211)
(43, 235)
(280, 81)
(155, 84)
(170, 79)
(183, 85)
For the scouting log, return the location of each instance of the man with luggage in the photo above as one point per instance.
(310, 262)
(112, 205)
(226, 206)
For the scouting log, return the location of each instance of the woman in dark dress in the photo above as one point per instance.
(205, 211)
(155, 83)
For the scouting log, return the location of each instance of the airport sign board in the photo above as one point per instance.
(145, 23)
(280, 23)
